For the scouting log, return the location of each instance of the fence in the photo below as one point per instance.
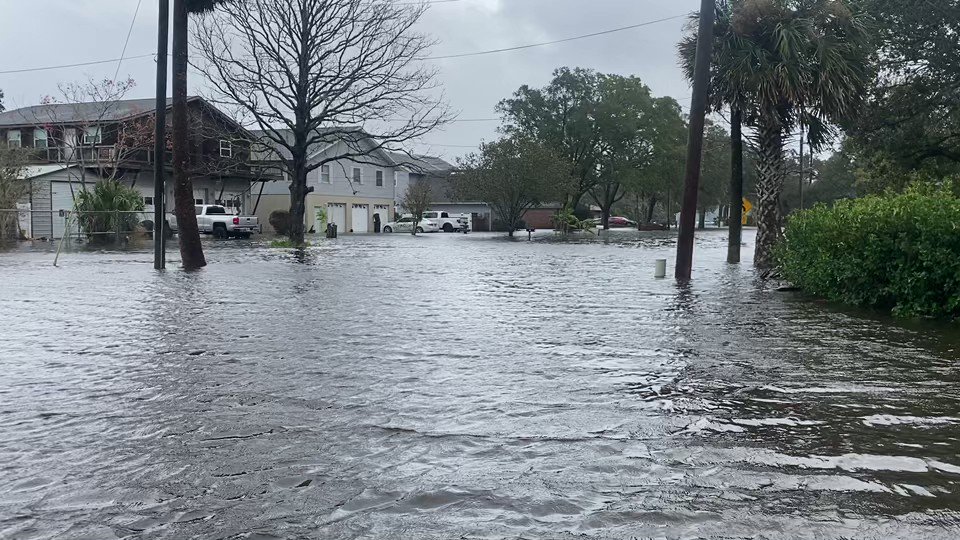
(99, 227)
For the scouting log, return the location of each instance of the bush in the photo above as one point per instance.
(109, 208)
(287, 243)
(893, 252)
(280, 221)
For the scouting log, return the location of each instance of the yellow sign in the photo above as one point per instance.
(747, 207)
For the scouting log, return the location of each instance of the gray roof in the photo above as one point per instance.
(420, 164)
(76, 113)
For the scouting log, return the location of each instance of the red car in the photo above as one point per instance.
(618, 221)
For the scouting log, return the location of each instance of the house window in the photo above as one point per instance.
(92, 135)
(148, 201)
(226, 148)
(379, 178)
(357, 176)
(39, 138)
(325, 174)
(394, 178)
(199, 202)
(13, 138)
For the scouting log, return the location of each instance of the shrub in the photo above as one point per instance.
(287, 243)
(893, 252)
(280, 221)
(567, 221)
(109, 208)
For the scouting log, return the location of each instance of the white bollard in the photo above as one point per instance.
(661, 271)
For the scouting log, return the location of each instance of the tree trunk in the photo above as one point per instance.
(298, 202)
(736, 187)
(770, 178)
(191, 251)
(651, 208)
(605, 217)
(702, 223)
(669, 217)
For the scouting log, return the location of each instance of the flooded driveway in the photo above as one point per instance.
(453, 386)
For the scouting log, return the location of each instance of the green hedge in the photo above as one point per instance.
(893, 252)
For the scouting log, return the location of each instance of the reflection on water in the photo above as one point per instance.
(453, 386)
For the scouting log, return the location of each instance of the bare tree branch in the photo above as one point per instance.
(308, 73)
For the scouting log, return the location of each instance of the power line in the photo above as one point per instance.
(564, 40)
(462, 55)
(127, 41)
(80, 64)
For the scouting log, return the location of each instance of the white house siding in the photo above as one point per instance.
(339, 190)
(47, 223)
(207, 190)
(45, 219)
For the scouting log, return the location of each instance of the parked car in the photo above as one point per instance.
(618, 221)
(615, 221)
(446, 222)
(405, 224)
(214, 219)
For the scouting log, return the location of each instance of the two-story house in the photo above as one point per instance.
(76, 144)
(347, 192)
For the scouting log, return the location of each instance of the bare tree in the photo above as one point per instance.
(73, 122)
(89, 124)
(317, 73)
(13, 188)
(416, 200)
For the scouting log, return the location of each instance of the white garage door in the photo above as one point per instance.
(61, 198)
(337, 213)
(384, 212)
(360, 215)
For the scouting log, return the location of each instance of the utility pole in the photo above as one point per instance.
(736, 186)
(160, 140)
(802, 132)
(698, 113)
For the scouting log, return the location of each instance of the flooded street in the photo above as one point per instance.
(451, 386)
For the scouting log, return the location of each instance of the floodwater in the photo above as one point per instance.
(451, 386)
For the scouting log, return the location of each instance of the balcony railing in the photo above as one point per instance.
(105, 155)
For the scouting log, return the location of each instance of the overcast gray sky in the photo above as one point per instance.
(40, 33)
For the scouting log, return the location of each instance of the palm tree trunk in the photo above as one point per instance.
(770, 178)
(191, 251)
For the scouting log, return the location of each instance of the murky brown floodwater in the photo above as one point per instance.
(462, 387)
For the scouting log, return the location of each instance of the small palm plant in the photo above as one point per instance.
(110, 208)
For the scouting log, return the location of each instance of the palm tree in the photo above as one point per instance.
(780, 64)
(191, 251)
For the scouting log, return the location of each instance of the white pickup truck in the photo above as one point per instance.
(447, 222)
(214, 219)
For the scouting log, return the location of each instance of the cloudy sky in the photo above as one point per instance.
(44, 33)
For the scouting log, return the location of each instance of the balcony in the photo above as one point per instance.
(105, 156)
